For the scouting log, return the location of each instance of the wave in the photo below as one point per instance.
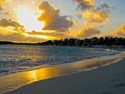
(57, 70)
(89, 64)
(89, 60)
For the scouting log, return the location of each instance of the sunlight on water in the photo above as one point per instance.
(34, 75)
(8, 82)
(19, 58)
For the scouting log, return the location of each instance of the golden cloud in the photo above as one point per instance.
(1, 6)
(88, 32)
(98, 15)
(19, 37)
(53, 20)
(95, 17)
(4, 23)
(85, 4)
(2, 10)
(8, 22)
(120, 31)
(6, 12)
(55, 35)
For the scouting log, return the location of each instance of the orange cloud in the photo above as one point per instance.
(98, 15)
(11, 23)
(6, 12)
(20, 38)
(120, 31)
(55, 35)
(88, 32)
(52, 18)
(95, 17)
(8, 22)
(85, 4)
(2, 7)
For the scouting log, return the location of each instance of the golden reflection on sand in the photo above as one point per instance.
(34, 75)
(14, 81)
(40, 74)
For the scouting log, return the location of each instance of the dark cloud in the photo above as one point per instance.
(9, 22)
(85, 4)
(98, 15)
(52, 19)
(88, 32)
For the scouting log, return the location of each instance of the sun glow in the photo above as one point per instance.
(27, 17)
(39, 36)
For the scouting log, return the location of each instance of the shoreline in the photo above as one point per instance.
(46, 65)
(104, 80)
(24, 78)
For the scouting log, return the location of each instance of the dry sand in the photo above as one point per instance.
(104, 80)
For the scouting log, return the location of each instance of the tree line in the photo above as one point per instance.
(108, 41)
(88, 42)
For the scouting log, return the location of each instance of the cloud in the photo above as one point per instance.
(20, 37)
(55, 35)
(53, 20)
(85, 4)
(2, 7)
(98, 15)
(88, 32)
(95, 17)
(120, 31)
(4, 22)
(6, 12)
(8, 22)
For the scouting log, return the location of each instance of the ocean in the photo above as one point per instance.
(19, 58)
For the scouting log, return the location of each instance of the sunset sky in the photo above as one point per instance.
(41, 20)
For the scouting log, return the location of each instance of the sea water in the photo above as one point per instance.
(19, 58)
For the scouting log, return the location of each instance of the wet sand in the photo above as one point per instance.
(104, 80)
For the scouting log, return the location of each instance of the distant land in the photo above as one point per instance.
(91, 42)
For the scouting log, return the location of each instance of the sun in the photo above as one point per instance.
(28, 17)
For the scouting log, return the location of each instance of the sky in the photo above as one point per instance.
(42, 20)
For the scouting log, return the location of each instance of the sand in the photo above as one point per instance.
(104, 80)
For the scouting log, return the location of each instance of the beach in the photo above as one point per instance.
(62, 47)
(103, 80)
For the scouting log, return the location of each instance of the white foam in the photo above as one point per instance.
(89, 64)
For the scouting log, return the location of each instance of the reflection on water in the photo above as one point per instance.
(19, 58)
(34, 75)
(43, 73)
(14, 81)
